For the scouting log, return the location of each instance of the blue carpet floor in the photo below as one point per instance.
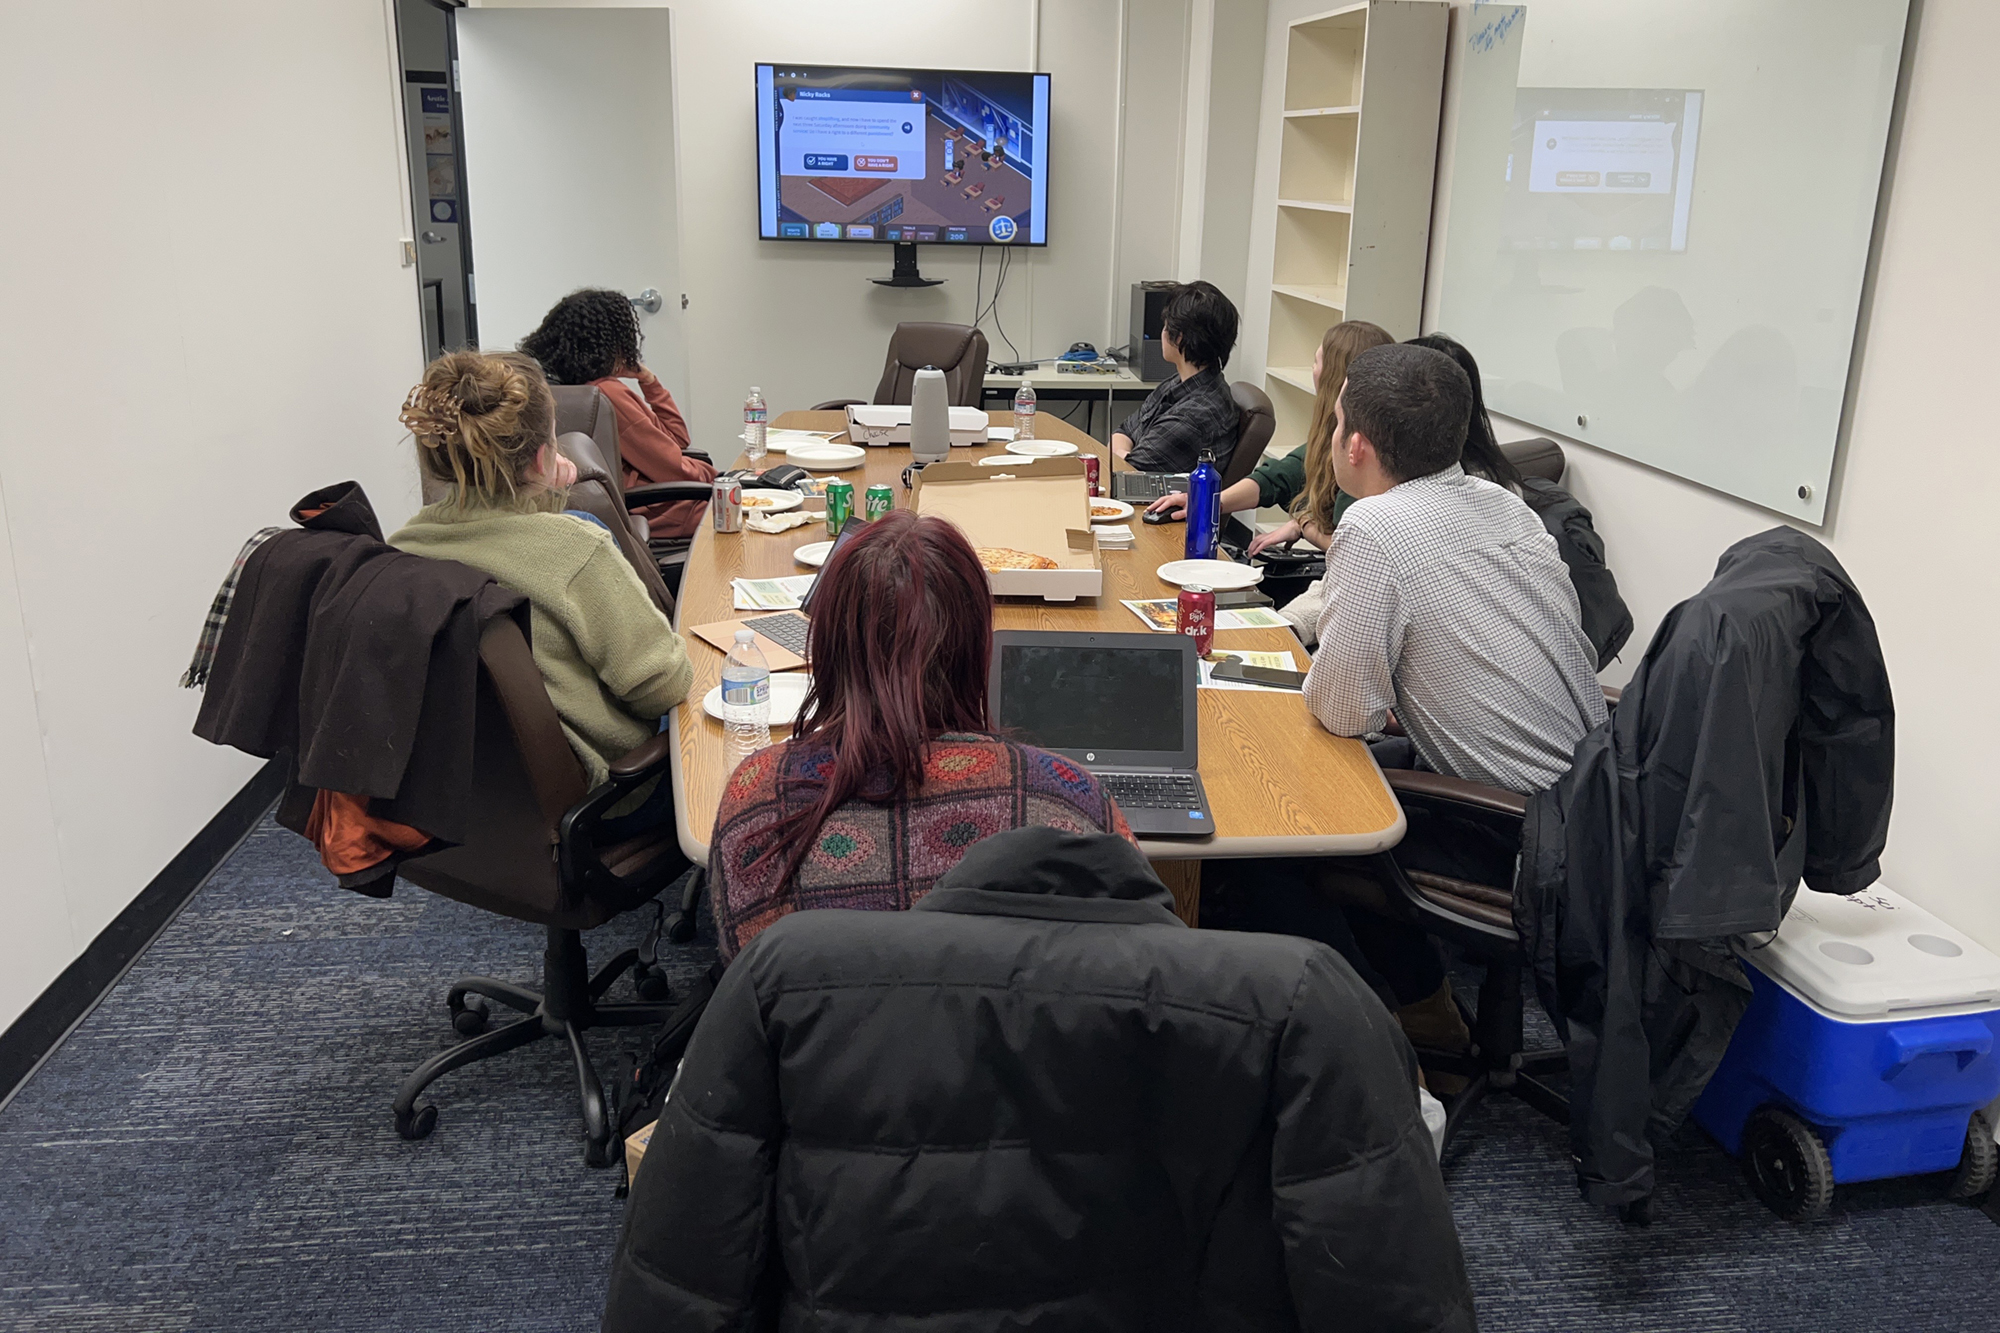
(212, 1149)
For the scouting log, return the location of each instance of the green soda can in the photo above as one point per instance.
(839, 506)
(879, 501)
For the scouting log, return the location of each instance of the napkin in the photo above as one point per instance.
(785, 522)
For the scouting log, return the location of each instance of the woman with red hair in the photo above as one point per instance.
(893, 770)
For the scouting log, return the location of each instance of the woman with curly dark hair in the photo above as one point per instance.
(592, 337)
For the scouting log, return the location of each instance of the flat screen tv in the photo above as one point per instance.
(937, 156)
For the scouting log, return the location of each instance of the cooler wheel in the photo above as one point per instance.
(1981, 1161)
(1787, 1165)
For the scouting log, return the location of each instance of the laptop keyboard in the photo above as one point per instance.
(1152, 791)
(787, 629)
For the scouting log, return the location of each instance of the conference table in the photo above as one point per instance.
(1278, 783)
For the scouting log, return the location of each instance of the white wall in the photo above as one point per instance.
(803, 321)
(206, 317)
(1913, 510)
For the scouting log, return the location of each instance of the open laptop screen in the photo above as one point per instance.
(1077, 697)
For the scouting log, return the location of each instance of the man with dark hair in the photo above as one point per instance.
(1446, 598)
(1166, 434)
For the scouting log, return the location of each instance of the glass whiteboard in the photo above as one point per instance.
(1658, 223)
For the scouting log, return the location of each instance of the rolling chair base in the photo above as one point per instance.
(567, 1006)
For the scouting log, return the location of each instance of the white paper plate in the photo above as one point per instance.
(1041, 448)
(1005, 460)
(771, 500)
(788, 691)
(814, 553)
(1104, 502)
(826, 457)
(777, 441)
(1220, 575)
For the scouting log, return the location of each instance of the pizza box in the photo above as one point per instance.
(886, 423)
(1042, 509)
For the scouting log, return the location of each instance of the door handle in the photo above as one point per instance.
(648, 301)
(432, 238)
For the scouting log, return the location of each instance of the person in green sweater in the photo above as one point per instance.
(1282, 482)
(613, 665)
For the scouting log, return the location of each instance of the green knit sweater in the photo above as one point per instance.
(613, 664)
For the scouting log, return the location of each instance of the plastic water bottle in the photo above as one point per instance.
(1204, 507)
(755, 414)
(746, 698)
(1024, 413)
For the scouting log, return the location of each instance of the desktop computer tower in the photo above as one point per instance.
(1149, 301)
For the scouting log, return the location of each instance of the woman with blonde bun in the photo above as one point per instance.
(613, 665)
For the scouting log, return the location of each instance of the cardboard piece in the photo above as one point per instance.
(1043, 509)
(886, 423)
(636, 1144)
(722, 633)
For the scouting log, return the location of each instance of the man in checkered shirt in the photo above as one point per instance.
(1447, 601)
(1446, 598)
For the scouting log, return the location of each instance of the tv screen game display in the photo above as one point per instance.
(945, 157)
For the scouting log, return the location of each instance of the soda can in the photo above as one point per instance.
(1195, 614)
(725, 503)
(1090, 474)
(879, 501)
(839, 506)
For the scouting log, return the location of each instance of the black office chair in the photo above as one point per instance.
(534, 853)
(1253, 431)
(957, 349)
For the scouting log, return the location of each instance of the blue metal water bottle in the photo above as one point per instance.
(1204, 507)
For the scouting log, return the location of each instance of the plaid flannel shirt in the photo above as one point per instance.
(196, 676)
(1171, 426)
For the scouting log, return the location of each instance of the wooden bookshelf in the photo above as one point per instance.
(1357, 137)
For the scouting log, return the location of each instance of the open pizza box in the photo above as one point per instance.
(886, 423)
(1041, 509)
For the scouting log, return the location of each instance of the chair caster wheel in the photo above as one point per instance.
(680, 927)
(596, 1153)
(417, 1122)
(653, 987)
(468, 1019)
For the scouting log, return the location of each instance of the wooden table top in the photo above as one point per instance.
(1278, 783)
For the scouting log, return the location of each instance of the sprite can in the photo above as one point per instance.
(879, 501)
(839, 506)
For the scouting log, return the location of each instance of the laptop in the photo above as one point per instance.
(1122, 705)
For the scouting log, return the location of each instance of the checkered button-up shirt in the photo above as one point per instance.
(1170, 427)
(1447, 600)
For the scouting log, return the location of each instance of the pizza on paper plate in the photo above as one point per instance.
(1106, 511)
(1006, 557)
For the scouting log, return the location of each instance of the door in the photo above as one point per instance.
(570, 152)
(437, 170)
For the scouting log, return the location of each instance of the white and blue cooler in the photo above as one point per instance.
(1867, 1052)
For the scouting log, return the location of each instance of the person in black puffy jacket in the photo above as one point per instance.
(1038, 1101)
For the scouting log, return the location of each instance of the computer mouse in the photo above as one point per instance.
(1157, 517)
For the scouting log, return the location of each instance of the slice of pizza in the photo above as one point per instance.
(1006, 557)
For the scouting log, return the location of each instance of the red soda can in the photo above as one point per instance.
(1090, 474)
(1195, 614)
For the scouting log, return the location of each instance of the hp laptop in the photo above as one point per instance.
(1122, 705)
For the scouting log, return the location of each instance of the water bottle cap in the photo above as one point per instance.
(746, 636)
(755, 392)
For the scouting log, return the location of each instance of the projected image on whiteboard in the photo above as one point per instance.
(1601, 168)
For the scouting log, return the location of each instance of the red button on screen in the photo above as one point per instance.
(866, 163)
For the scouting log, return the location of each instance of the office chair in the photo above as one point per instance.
(597, 493)
(1478, 918)
(1252, 434)
(583, 409)
(533, 852)
(956, 349)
